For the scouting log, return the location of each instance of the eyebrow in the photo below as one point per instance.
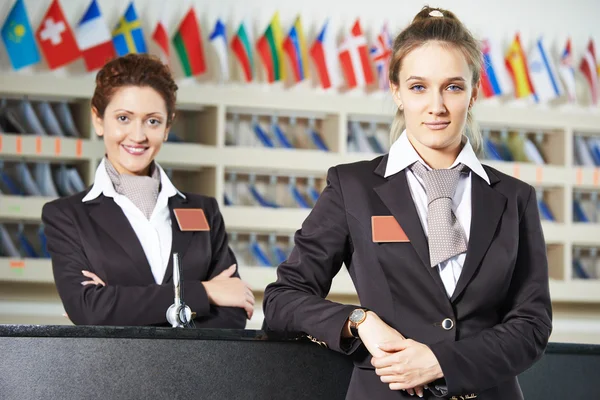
(131, 112)
(419, 78)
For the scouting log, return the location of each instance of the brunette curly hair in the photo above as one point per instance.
(135, 70)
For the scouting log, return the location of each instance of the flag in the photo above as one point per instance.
(18, 38)
(270, 51)
(324, 54)
(294, 46)
(543, 74)
(588, 68)
(128, 36)
(381, 55)
(243, 50)
(161, 35)
(354, 58)
(56, 38)
(494, 80)
(516, 63)
(218, 38)
(567, 71)
(94, 39)
(188, 44)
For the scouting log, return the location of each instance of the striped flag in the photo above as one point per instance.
(161, 35)
(94, 39)
(588, 68)
(516, 63)
(354, 58)
(269, 48)
(381, 55)
(218, 38)
(188, 44)
(294, 46)
(243, 50)
(543, 73)
(567, 71)
(494, 79)
(324, 54)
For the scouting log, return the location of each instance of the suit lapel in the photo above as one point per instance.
(181, 240)
(396, 196)
(110, 217)
(487, 205)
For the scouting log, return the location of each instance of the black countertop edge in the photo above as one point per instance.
(143, 332)
(150, 332)
(573, 348)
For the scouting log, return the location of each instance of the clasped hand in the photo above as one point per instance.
(403, 364)
(226, 290)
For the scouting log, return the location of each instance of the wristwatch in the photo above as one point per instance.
(356, 318)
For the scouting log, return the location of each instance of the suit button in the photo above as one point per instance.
(447, 324)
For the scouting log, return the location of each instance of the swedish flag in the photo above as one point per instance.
(128, 36)
(18, 37)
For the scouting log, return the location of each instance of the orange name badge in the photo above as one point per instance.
(386, 229)
(191, 219)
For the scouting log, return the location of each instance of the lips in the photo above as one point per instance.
(135, 150)
(438, 125)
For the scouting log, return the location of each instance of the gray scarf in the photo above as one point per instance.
(141, 190)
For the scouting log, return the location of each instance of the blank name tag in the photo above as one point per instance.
(191, 219)
(386, 229)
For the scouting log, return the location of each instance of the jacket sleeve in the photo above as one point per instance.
(222, 258)
(477, 363)
(296, 301)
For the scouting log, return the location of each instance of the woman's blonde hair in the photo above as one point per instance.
(436, 24)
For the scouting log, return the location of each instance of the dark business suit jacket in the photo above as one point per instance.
(96, 236)
(501, 306)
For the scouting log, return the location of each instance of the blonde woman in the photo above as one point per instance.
(447, 255)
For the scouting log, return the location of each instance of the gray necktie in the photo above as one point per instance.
(445, 234)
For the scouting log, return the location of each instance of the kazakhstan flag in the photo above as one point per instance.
(18, 38)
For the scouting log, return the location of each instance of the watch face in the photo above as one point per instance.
(357, 315)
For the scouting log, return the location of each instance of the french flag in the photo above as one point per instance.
(354, 59)
(323, 52)
(94, 38)
(493, 65)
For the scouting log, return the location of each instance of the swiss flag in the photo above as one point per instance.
(56, 38)
(354, 58)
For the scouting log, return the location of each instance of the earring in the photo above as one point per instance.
(401, 107)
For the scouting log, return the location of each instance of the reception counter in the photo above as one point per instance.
(67, 362)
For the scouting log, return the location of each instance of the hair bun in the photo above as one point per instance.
(428, 13)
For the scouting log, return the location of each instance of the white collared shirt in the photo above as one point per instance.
(402, 155)
(154, 234)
